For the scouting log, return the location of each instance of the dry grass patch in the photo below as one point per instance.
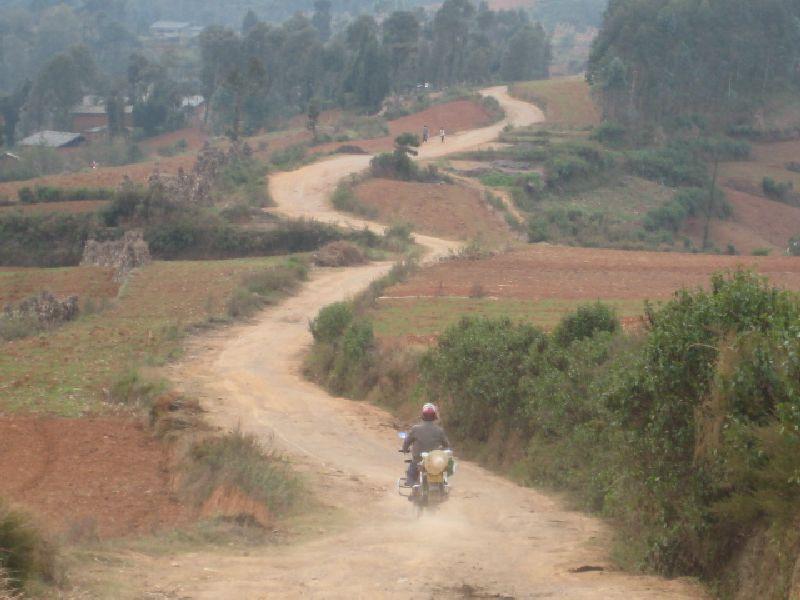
(566, 101)
(424, 319)
(76, 207)
(450, 211)
(88, 283)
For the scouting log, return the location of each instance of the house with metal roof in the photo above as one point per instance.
(54, 139)
(169, 30)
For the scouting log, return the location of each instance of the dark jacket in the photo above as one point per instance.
(424, 437)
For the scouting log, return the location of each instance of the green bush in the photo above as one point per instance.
(42, 194)
(331, 322)
(344, 199)
(25, 556)
(689, 202)
(46, 240)
(237, 460)
(407, 139)
(609, 133)
(673, 165)
(266, 286)
(476, 371)
(290, 157)
(394, 165)
(538, 230)
(585, 322)
(777, 190)
(498, 179)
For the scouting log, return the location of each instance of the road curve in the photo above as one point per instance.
(493, 539)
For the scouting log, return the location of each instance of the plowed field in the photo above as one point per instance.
(566, 273)
(85, 282)
(449, 211)
(456, 116)
(87, 478)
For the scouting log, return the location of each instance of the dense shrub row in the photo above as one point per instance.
(173, 232)
(41, 194)
(687, 435)
(688, 202)
(48, 240)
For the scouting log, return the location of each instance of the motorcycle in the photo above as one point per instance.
(431, 488)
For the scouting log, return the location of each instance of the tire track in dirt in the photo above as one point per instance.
(493, 539)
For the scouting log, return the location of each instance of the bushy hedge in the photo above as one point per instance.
(574, 163)
(42, 194)
(777, 190)
(673, 165)
(689, 437)
(688, 202)
(687, 434)
(47, 240)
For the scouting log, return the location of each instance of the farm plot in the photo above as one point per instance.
(71, 371)
(449, 211)
(541, 283)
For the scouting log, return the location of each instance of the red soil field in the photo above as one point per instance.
(84, 282)
(555, 272)
(459, 115)
(195, 138)
(87, 478)
(449, 211)
(757, 222)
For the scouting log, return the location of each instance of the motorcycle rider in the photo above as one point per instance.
(425, 436)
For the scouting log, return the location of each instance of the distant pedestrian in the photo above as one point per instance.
(441, 134)
(425, 133)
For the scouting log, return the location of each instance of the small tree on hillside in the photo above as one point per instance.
(313, 117)
(115, 111)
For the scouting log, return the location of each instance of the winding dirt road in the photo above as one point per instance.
(493, 539)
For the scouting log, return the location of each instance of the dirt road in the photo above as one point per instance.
(493, 540)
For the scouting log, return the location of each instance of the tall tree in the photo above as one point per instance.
(220, 52)
(451, 30)
(10, 107)
(367, 77)
(321, 19)
(115, 111)
(528, 54)
(401, 40)
(59, 86)
(249, 22)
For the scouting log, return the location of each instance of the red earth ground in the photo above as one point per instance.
(555, 272)
(86, 282)
(757, 222)
(449, 211)
(88, 478)
(456, 116)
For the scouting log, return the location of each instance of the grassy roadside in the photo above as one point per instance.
(691, 460)
(401, 318)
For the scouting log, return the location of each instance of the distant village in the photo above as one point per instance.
(89, 118)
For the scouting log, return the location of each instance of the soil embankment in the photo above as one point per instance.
(494, 539)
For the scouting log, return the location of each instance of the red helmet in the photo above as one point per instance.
(429, 412)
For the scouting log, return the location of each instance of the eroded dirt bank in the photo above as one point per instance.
(493, 539)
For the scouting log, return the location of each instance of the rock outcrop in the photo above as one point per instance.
(122, 255)
(45, 309)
